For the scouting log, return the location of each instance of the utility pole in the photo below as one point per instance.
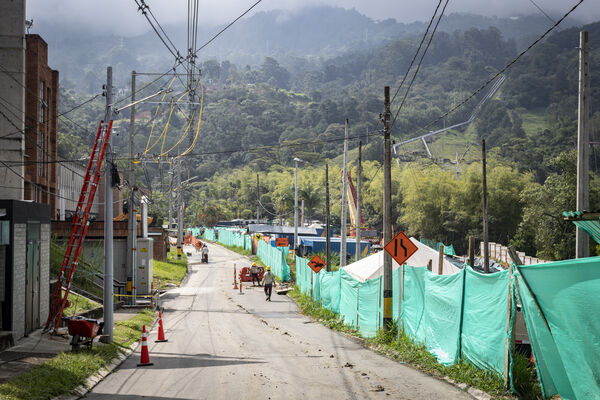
(296, 159)
(387, 213)
(179, 211)
(327, 220)
(171, 193)
(131, 219)
(358, 213)
(582, 240)
(302, 214)
(257, 200)
(108, 220)
(344, 198)
(486, 245)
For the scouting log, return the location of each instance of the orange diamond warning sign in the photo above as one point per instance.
(316, 264)
(400, 248)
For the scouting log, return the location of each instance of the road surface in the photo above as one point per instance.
(223, 345)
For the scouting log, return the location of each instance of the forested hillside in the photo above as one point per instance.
(257, 119)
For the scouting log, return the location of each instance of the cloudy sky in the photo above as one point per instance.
(121, 16)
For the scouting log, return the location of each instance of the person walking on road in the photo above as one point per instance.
(254, 274)
(268, 281)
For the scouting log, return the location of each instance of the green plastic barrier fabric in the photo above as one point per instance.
(448, 250)
(484, 319)
(209, 234)
(349, 292)
(326, 285)
(235, 238)
(413, 304)
(275, 258)
(567, 294)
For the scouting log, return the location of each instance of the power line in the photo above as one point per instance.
(145, 10)
(417, 52)
(507, 66)
(78, 106)
(420, 62)
(542, 11)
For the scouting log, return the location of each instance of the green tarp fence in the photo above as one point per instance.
(209, 234)
(448, 250)
(275, 258)
(460, 315)
(235, 238)
(564, 295)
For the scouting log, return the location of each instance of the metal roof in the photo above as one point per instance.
(588, 222)
(278, 229)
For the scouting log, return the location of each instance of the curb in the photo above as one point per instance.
(96, 378)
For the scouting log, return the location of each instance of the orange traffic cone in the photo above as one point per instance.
(235, 286)
(161, 331)
(241, 292)
(145, 357)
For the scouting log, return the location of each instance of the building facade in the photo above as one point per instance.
(41, 125)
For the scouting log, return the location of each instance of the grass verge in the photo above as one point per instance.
(68, 370)
(170, 271)
(404, 350)
(79, 304)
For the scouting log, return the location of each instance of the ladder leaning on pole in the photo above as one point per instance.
(79, 227)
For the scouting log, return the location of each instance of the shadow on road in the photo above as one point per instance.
(172, 360)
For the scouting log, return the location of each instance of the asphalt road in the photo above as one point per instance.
(223, 345)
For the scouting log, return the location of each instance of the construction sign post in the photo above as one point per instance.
(316, 264)
(282, 242)
(400, 248)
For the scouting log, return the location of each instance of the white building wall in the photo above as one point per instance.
(18, 287)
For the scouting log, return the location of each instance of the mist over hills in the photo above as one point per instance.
(315, 34)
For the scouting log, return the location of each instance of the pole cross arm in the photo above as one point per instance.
(162, 91)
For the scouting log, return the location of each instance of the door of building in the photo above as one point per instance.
(32, 278)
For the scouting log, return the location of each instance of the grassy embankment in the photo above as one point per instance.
(65, 372)
(170, 271)
(417, 356)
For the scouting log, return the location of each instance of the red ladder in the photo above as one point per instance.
(79, 228)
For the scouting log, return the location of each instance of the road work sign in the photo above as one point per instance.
(400, 248)
(282, 242)
(316, 264)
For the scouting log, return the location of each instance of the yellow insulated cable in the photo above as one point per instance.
(189, 149)
(155, 114)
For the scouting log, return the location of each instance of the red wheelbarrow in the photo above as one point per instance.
(83, 330)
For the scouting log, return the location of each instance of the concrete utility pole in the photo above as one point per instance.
(296, 159)
(387, 213)
(171, 193)
(179, 211)
(302, 214)
(131, 220)
(327, 220)
(358, 213)
(343, 224)
(108, 220)
(486, 244)
(257, 200)
(582, 240)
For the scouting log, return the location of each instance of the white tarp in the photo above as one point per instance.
(371, 267)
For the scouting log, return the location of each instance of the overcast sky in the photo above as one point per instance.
(121, 16)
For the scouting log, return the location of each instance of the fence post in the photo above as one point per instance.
(508, 343)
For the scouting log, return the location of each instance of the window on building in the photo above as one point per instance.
(41, 152)
(42, 102)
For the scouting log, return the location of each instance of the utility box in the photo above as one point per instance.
(143, 272)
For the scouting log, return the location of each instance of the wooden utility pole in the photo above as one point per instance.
(358, 213)
(327, 220)
(387, 213)
(471, 251)
(257, 200)
(343, 224)
(486, 245)
(582, 240)
(441, 260)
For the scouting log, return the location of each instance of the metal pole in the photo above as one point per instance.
(296, 206)
(582, 240)
(343, 226)
(327, 220)
(358, 213)
(486, 244)
(179, 212)
(131, 132)
(302, 213)
(133, 217)
(169, 226)
(108, 220)
(387, 213)
(131, 220)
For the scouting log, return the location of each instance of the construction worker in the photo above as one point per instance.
(254, 274)
(205, 253)
(268, 281)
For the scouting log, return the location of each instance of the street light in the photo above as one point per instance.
(296, 161)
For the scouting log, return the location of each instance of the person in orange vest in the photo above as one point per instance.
(268, 281)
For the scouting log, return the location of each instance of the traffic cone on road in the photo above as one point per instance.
(161, 331)
(241, 292)
(145, 357)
